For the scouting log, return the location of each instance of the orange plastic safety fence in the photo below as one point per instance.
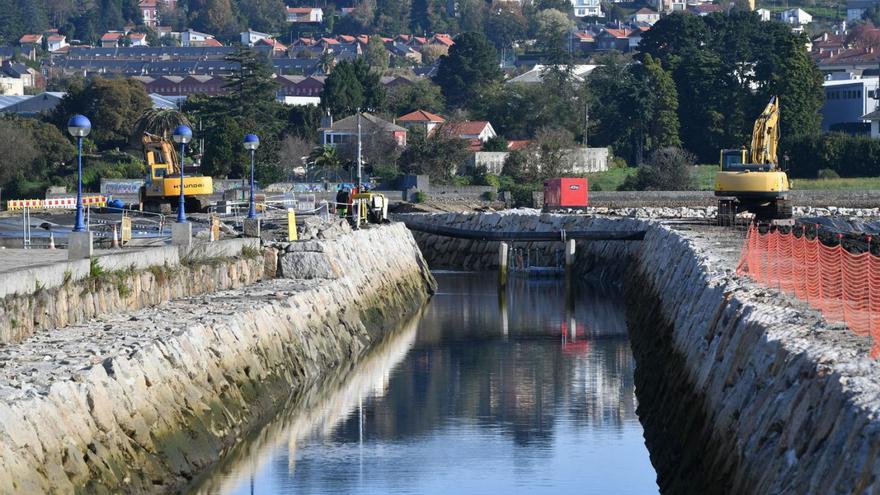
(842, 285)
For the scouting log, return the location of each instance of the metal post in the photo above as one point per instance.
(252, 211)
(359, 151)
(502, 264)
(181, 212)
(78, 225)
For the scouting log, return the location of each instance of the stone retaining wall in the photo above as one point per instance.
(144, 401)
(61, 294)
(741, 389)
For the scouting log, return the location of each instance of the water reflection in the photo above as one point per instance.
(518, 394)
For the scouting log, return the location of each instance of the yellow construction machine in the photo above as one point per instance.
(751, 180)
(162, 188)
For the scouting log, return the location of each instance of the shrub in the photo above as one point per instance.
(420, 197)
(489, 195)
(848, 156)
(827, 173)
(669, 169)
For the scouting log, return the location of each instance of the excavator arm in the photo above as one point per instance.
(765, 136)
(159, 151)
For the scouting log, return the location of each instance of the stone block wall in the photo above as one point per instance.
(742, 389)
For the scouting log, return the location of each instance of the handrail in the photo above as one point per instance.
(561, 235)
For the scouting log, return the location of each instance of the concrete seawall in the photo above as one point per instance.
(65, 293)
(143, 401)
(741, 389)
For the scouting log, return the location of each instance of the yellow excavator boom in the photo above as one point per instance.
(765, 136)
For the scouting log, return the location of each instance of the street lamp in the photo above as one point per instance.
(182, 135)
(251, 143)
(79, 127)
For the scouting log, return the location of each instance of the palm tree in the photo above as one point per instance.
(325, 158)
(159, 121)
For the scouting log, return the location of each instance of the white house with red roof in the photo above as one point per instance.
(421, 118)
(112, 39)
(56, 42)
(304, 14)
(30, 44)
(251, 37)
(138, 39)
(480, 130)
(645, 16)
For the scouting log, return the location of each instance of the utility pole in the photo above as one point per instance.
(359, 150)
(586, 123)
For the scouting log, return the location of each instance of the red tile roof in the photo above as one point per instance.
(31, 38)
(57, 37)
(468, 127)
(275, 44)
(618, 33)
(518, 144)
(474, 145)
(443, 39)
(111, 36)
(300, 10)
(211, 42)
(421, 116)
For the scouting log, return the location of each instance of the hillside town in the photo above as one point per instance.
(576, 45)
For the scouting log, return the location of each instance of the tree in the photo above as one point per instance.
(377, 56)
(371, 85)
(160, 122)
(343, 93)
(326, 160)
(552, 28)
(564, 6)
(497, 143)
(18, 151)
(470, 67)
(113, 105)
(293, 150)
(504, 24)
(392, 16)
(213, 16)
(267, 16)
(422, 94)
(471, 13)
(437, 155)
(550, 153)
(669, 169)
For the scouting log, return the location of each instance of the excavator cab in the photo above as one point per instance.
(730, 159)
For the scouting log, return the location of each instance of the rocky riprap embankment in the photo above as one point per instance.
(143, 401)
(741, 389)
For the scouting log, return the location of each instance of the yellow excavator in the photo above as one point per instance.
(751, 180)
(162, 188)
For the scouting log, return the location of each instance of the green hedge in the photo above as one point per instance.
(849, 156)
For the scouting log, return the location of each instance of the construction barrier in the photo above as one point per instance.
(844, 286)
(55, 203)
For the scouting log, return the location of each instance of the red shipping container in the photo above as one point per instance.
(566, 193)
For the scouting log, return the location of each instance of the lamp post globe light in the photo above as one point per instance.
(182, 135)
(79, 127)
(251, 143)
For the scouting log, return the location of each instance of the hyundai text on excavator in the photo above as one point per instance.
(751, 180)
(162, 188)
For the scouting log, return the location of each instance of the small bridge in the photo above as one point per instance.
(546, 236)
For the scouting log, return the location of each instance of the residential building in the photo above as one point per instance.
(149, 12)
(874, 119)
(536, 74)
(855, 9)
(587, 8)
(613, 39)
(11, 86)
(251, 37)
(30, 45)
(422, 119)
(704, 9)
(112, 39)
(764, 14)
(277, 47)
(846, 103)
(183, 85)
(304, 86)
(635, 37)
(645, 16)
(56, 42)
(669, 6)
(137, 39)
(30, 78)
(305, 15)
(852, 60)
(30, 105)
(195, 38)
(344, 132)
(795, 17)
(478, 130)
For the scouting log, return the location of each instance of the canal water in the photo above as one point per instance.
(527, 393)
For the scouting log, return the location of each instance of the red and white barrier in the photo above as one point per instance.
(55, 203)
